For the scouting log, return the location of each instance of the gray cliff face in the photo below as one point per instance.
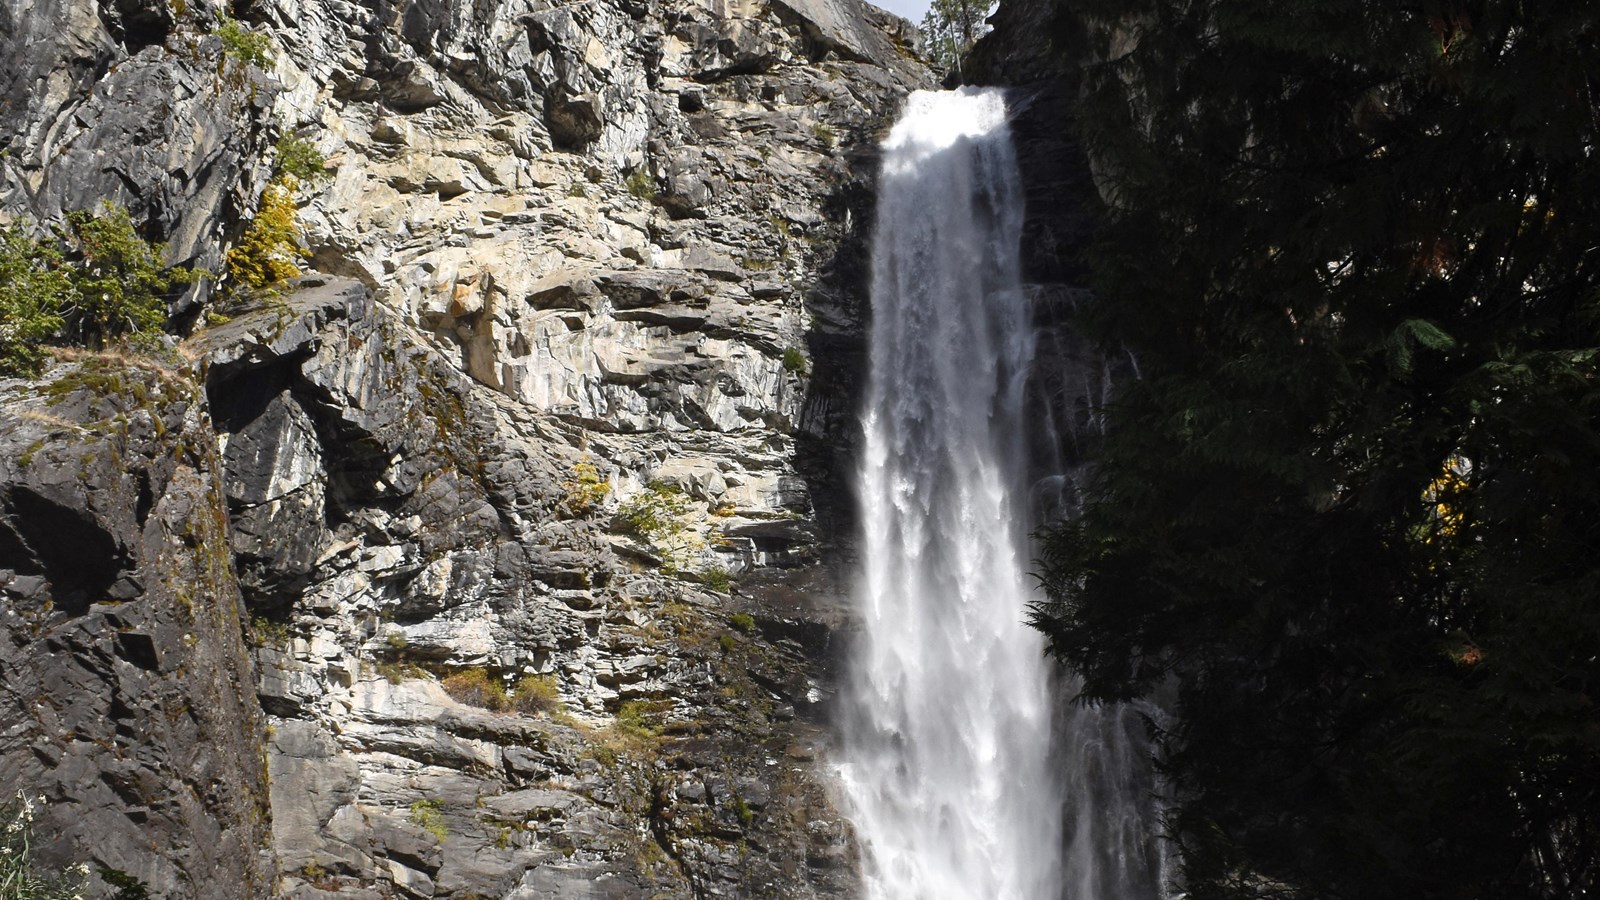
(566, 399)
(126, 688)
(115, 102)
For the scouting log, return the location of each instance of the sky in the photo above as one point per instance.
(911, 9)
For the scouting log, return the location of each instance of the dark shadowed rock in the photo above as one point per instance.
(125, 686)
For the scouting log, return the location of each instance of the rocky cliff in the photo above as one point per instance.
(1027, 52)
(520, 513)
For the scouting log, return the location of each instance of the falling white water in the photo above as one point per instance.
(947, 762)
(951, 779)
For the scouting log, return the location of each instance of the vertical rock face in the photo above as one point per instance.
(127, 103)
(1022, 53)
(125, 686)
(530, 497)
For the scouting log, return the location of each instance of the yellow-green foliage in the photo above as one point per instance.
(660, 515)
(743, 621)
(269, 251)
(640, 720)
(641, 185)
(587, 488)
(265, 632)
(475, 687)
(428, 815)
(657, 512)
(396, 671)
(299, 159)
(535, 694)
(246, 46)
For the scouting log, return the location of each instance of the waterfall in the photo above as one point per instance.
(948, 766)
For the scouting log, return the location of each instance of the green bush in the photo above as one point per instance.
(717, 578)
(587, 489)
(640, 720)
(794, 360)
(428, 815)
(242, 44)
(119, 283)
(641, 185)
(656, 513)
(660, 516)
(299, 159)
(475, 687)
(98, 281)
(34, 288)
(535, 694)
(396, 671)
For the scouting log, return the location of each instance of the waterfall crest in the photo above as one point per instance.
(947, 765)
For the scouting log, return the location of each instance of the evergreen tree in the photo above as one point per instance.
(33, 290)
(97, 282)
(951, 27)
(119, 282)
(1348, 518)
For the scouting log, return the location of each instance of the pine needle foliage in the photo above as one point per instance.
(299, 159)
(269, 251)
(1348, 515)
(949, 29)
(93, 282)
(118, 279)
(34, 288)
(251, 48)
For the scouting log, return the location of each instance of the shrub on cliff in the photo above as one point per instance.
(251, 48)
(34, 288)
(269, 251)
(95, 282)
(299, 159)
(119, 284)
(474, 686)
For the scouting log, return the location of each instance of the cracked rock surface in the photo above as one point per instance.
(504, 555)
